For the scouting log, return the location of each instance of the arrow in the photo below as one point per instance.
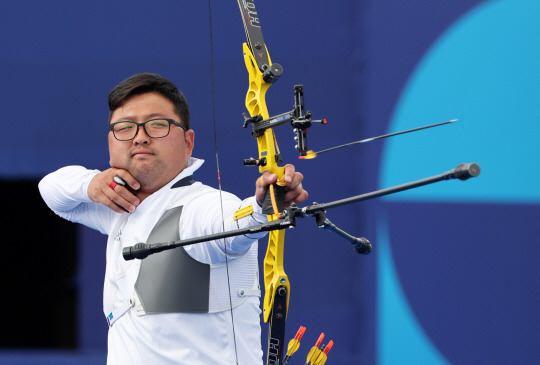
(294, 344)
(311, 154)
(321, 359)
(315, 351)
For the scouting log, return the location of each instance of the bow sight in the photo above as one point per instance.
(300, 120)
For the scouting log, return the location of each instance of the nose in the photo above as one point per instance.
(141, 137)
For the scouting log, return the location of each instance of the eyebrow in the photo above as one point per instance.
(147, 117)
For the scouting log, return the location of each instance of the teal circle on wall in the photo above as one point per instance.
(485, 72)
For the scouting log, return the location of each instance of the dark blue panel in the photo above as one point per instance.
(470, 275)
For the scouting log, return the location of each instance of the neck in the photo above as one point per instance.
(150, 184)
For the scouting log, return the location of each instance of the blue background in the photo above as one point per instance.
(452, 277)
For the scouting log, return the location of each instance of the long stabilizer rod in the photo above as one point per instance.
(463, 171)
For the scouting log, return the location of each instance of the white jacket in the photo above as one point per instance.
(172, 338)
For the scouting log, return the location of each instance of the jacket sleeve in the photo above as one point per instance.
(65, 192)
(209, 214)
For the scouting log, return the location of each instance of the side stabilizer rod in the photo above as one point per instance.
(361, 245)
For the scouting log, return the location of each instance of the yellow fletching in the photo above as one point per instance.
(321, 359)
(310, 154)
(313, 355)
(293, 346)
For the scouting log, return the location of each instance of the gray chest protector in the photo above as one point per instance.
(172, 281)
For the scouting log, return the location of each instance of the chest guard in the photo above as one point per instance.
(172, 281)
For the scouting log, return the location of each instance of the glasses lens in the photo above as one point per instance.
(125, 130)
(157, 128)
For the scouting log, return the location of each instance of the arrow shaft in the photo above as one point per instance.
(385, 136)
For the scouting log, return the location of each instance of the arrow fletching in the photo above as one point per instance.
(321, 359)
(294, 344)
(315, 351)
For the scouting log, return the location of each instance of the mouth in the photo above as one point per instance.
(141, 153)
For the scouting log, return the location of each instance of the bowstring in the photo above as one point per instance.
(212, 78)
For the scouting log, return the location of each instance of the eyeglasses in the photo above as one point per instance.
(154, 128)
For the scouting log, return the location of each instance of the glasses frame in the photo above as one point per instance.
(143, 124)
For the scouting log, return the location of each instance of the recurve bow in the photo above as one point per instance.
(262, 73)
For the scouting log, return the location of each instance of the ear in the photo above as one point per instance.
(189, 140)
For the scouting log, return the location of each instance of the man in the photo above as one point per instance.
(173, 307)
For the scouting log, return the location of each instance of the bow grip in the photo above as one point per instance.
(274, 199)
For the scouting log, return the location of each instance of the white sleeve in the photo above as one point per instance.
(203, 216)
(65, 192)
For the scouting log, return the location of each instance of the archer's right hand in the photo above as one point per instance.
(114, 196)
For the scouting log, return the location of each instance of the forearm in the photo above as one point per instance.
(210, 215)
(65, 192)
(240, 244)
(66, 188)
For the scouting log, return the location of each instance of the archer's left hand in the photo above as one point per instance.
(295, 192)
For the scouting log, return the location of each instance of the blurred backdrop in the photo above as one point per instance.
(452, 278)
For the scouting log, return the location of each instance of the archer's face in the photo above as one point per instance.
(153, 162)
